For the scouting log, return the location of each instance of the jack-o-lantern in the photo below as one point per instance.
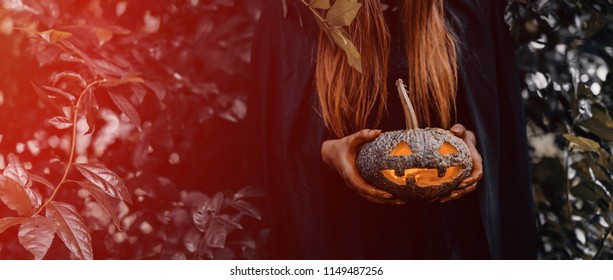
(415, 163)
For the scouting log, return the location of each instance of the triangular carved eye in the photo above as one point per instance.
(402, 149)
(447, 149)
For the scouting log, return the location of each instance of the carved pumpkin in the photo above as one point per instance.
(415, 163)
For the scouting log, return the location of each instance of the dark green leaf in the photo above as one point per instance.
(600, 123)
(582, 143)
(36, 235)
(71, 229)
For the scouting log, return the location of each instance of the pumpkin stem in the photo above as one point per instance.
(410, 118)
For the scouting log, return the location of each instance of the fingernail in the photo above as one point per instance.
(399, 202)
(374, 132)
(387, 195)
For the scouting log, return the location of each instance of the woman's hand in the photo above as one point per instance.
(469, 184)
(341, 154)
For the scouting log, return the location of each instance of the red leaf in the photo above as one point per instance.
(106, 180)
(47, 55)
(157, 88)
(139, 93)
(47, 101)
(70, 227)
(248, 191)
(41, 180)
(202, 219)
(126, 107)
(247, 208)
(36, 235)
(60, 122)
(54, 36)
(103, 34)
(90, 108)
(214, 204)
(229, 222)
(192, 239)
(14, 196)
(61, 93)
(7, 222)
(15, 171)
(106, 202)
(216, 235)
(70, 75)
(104, 67)
(195, 199)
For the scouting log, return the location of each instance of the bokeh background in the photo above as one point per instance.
(176, 133)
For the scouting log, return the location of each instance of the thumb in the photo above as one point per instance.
(458, 130)
(365, 135)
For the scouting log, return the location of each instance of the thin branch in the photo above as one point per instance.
(73, 143)
(568, 206)
(604, 239)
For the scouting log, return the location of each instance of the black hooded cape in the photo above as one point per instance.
(313, 215)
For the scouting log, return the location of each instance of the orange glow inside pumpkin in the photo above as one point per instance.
(402, 149)
(447, 149)
(424, 177)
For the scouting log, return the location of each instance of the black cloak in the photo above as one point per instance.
(313, 215)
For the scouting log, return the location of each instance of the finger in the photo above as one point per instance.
(458, 130)
(471, 137)
(363, 135)
(385, 201)
(359, 184)
(456, 194)
(365, 189)
(477, 173)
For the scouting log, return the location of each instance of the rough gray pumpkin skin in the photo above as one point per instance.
(425, 143)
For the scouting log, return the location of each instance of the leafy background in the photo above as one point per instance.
(159, 143)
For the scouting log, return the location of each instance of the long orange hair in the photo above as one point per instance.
(348, 98)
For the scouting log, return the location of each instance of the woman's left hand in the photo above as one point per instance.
(469, 184)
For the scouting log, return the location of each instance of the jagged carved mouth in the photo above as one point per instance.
(423, 177)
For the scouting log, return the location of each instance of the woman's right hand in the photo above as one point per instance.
(341, 154)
